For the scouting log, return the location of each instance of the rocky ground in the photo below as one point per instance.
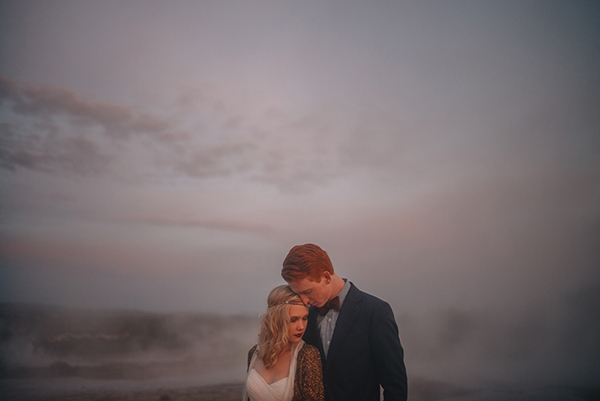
(419, 390)
(221, 392)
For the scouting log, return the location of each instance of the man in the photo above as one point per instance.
(359, 344)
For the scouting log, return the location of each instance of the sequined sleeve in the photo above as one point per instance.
(250, 353)
(308, 385)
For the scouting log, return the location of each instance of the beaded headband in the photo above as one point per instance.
(287, 303)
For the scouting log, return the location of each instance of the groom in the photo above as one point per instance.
(355, 332)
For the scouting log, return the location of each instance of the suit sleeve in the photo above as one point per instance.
(388, 354)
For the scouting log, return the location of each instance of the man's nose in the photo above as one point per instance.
(304, 299)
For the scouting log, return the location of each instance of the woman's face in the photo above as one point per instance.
(298, 319)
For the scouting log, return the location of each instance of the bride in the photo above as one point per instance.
(281, 367)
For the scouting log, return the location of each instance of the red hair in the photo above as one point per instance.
(307, 260)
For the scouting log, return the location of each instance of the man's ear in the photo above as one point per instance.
(327, 277)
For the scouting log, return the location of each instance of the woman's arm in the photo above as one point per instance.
(311, 374)
(250, 353)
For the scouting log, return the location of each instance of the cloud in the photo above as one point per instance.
(213, 160)
(61, 256)
(56, 130)
(212, 224)
(202, 133)
(21, 149)
(52, 129)
(45, 101)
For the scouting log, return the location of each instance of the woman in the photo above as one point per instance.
(282, 367)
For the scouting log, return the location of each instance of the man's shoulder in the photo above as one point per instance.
(369, 299)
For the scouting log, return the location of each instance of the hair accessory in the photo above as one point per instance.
(287, 303)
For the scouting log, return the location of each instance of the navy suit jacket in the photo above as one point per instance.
(365, 351)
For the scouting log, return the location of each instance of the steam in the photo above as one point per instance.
(448, 352)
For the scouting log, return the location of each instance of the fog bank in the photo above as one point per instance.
(51, 350)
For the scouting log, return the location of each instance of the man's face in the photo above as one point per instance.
(312, 292)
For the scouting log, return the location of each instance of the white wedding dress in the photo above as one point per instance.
(258, 389)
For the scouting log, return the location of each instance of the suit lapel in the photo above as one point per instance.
(312, 335)
(350, 309)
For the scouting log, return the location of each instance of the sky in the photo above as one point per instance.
(165, 156)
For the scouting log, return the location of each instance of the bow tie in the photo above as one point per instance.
(332, 304)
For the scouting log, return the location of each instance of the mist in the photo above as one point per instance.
(158, 161)
(55, 351)
(547, 351)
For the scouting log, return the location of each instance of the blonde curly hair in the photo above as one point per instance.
(274, 327)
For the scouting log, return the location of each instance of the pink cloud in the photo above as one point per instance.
(217, 224)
